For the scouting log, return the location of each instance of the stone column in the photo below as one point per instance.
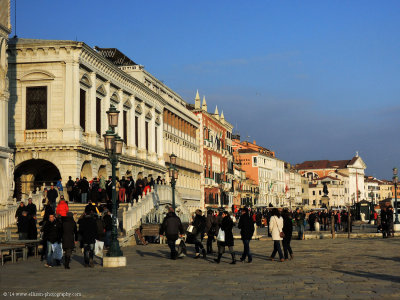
(91, 109)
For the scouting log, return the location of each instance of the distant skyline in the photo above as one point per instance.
(310, 80)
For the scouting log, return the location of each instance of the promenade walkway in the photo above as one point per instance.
(322, 269)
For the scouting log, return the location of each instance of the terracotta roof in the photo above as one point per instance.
(325, 164)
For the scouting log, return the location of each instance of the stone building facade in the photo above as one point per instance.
(59, 94)
(350, 172)
(6, 154)
(180, 137)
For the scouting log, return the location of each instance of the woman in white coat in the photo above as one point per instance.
(275, 228)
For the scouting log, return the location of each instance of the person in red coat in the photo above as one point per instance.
(62, 208)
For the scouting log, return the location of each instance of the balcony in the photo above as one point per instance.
(35, 136)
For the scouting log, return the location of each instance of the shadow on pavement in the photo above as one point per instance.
(385, 277)
(397, 259)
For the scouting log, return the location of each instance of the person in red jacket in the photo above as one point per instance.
(62, 207)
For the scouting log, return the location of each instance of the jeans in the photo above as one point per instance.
(84, 198)
(286, 247)
(209, 243)
(171, 245)
(300, 231)
(277, 248)
(88, 253)
(50, 252)
(246, 250)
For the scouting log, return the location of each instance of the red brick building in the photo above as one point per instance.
(215, 156)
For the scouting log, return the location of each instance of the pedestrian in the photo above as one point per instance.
(211, 230)
(384, 222)
(199, 225)
(24, 225)
(172, 228)
(52, 233)
(70, 189)
(390, 223)
(88, 233)
(122, 189)
(60, 186)
(130, 189)
(69, 237)
(102, 189)
(107, 227)
(287, 230)
(91, 208)
(31, 208)
(62, 207)
(52, 195)
(77, 191)
(84, 189)
(246, 226)
(276, 226)
(226, 226)
(19, 211)
(299, 221)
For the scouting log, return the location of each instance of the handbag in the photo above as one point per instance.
(98, 248)
(221, 235)
(190, 228)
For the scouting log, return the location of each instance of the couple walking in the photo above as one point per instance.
(281, 230)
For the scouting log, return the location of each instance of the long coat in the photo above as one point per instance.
(226, 226)
(275, 227)
(69, 233)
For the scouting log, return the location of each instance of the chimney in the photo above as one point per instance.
(254, 142)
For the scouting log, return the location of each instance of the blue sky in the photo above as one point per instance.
(308, 79)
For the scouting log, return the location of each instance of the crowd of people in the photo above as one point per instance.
(219, 227)
(98, 189)
(60, 233)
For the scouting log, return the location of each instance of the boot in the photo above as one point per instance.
(66, 262)
(204, 253)
(217, 260)
(233, 259)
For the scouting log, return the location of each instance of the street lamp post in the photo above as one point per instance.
(113, 145)
(173, 174)
(395, 181)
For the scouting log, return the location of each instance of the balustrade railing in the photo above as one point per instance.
(133, 215)
(7, 217)
(35, 135)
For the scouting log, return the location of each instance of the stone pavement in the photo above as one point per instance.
(321, 269)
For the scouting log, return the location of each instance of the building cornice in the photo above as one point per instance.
(88, 149)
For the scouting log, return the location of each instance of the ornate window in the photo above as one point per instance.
(36, 107)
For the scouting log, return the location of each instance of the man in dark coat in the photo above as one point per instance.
(107, 220)
(52, 195)
(84, 187)
(24, 224)
(211, 225)
(19, 211)
(52, 233)
(70, 189)
(246, 226)
(199, 224)
(31, 209)
(69, 237)
(88, 232)
(172, 227)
